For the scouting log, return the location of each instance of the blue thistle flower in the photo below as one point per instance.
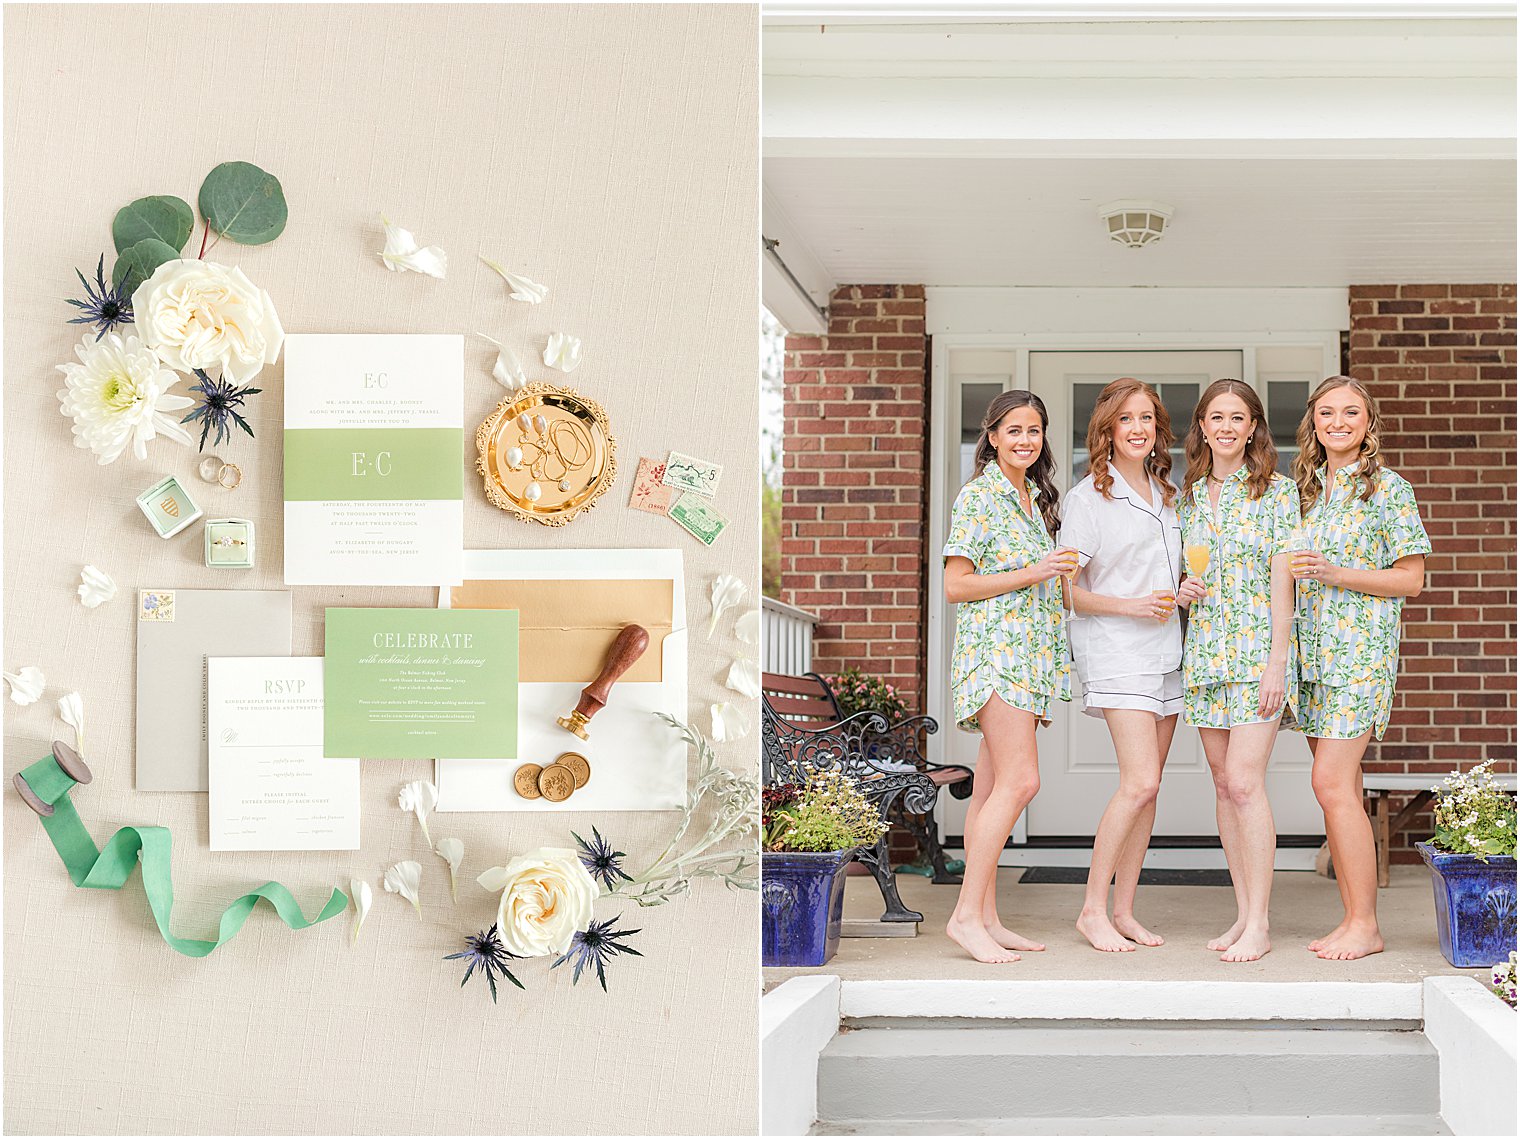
(598, 857)
(594, 946)
(105, 306)
(219, 402)
(484, 951)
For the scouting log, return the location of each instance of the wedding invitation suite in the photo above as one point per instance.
(374, 464)
(177, 629)
(420, 683)
(271, 787)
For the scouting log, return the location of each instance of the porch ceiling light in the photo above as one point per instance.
(1135, 223)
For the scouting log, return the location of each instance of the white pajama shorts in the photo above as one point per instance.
(1157, 693)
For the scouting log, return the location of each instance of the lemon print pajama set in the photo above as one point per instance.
(1348, 642)
(1127, 547)
(1013, 644)
(1229, 633)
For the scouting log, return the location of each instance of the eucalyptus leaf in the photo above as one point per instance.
(243, 203)
(137, 262)
(162, 216)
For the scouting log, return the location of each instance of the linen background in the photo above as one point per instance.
(608, 152)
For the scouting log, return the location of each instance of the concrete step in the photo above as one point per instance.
(1001, 1073)
(1151, 1125)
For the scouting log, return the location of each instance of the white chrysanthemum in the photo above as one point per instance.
(118, 394)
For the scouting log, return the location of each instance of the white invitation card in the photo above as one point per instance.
(271, 789)
(374, 460)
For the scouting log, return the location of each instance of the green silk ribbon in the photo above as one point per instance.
(109, 869)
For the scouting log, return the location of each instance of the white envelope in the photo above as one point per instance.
(638, 762)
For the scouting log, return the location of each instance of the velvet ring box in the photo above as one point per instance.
(229, 543)
(168, 506)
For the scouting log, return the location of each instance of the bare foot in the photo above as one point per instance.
(1355, 941)
(1320, 942)
(1251, 945)
(1130, 928)
(975, 940)
(1101, 932)
(1229, 937)
(1010, 940)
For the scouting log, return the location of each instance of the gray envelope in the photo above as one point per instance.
(177, 629)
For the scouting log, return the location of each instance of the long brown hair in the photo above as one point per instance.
(1100, 437)
(1043, 469)
(1261, 452)
(1311, 452)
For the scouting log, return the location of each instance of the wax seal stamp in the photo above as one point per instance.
(556, 783)
(526, 781)
(578, 765)
(627, 648)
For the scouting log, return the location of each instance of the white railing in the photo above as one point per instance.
(786, 637)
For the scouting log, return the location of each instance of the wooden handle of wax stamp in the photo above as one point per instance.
(627, 648)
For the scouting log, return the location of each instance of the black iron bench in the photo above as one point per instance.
(802, 726)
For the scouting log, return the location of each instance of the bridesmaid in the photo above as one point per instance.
(1125, 635)
(1010, 659)
(1364, 553)
(1237, 669)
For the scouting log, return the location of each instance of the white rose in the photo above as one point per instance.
(546, 898)
(198, 314)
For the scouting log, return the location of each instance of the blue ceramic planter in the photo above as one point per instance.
(1475, 906)
(801, 903)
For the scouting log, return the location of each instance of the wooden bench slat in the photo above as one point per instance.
(797, 685)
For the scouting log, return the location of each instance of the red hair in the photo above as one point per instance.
(1100, 437)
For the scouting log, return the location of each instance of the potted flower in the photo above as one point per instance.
(810, 832)
(1504, 980)
(1472, 865)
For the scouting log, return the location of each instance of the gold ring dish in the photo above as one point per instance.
(546, 454)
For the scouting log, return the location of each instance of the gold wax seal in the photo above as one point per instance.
(578, 766)
(526, 781)
(546, 454)
(556, 783)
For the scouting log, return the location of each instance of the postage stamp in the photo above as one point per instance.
(699, 518)
(687, 473)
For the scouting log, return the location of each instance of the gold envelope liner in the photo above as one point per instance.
(566, 627)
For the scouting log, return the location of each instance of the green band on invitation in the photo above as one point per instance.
(110, 868)
(365, 464)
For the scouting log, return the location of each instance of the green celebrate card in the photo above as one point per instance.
(421, 683)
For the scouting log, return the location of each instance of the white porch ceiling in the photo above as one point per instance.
(1239, 222)
(1297, 152)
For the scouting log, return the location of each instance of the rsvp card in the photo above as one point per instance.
(374, 466)
(271, 788)
(420, 683)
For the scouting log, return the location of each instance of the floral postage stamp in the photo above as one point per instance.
(649, 492)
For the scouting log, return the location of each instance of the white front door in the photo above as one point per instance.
(1078, 770)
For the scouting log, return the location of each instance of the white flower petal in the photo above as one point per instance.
(419, 797)
(508, 370)
(728, 723)
(521, 288)
(563, 352)
(95, 588)
(26, 684)
(747, 627)
(744, 677)
(71, 712)
(451, 850)
(727, 591)
(402, 254)
(546, 899)
(363, 897)
(405, 878)
(117, 396)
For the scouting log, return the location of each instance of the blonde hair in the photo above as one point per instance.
(1311, 452)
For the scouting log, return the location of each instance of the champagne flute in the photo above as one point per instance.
(1197, 555)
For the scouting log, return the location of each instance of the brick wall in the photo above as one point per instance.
(852, 486)
(1441, 361)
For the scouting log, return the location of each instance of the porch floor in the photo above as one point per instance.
(1304, 905)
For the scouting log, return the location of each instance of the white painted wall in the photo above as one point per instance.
(1474, 1032)
(797, 1020)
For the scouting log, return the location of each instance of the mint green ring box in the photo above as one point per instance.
(168, 506)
